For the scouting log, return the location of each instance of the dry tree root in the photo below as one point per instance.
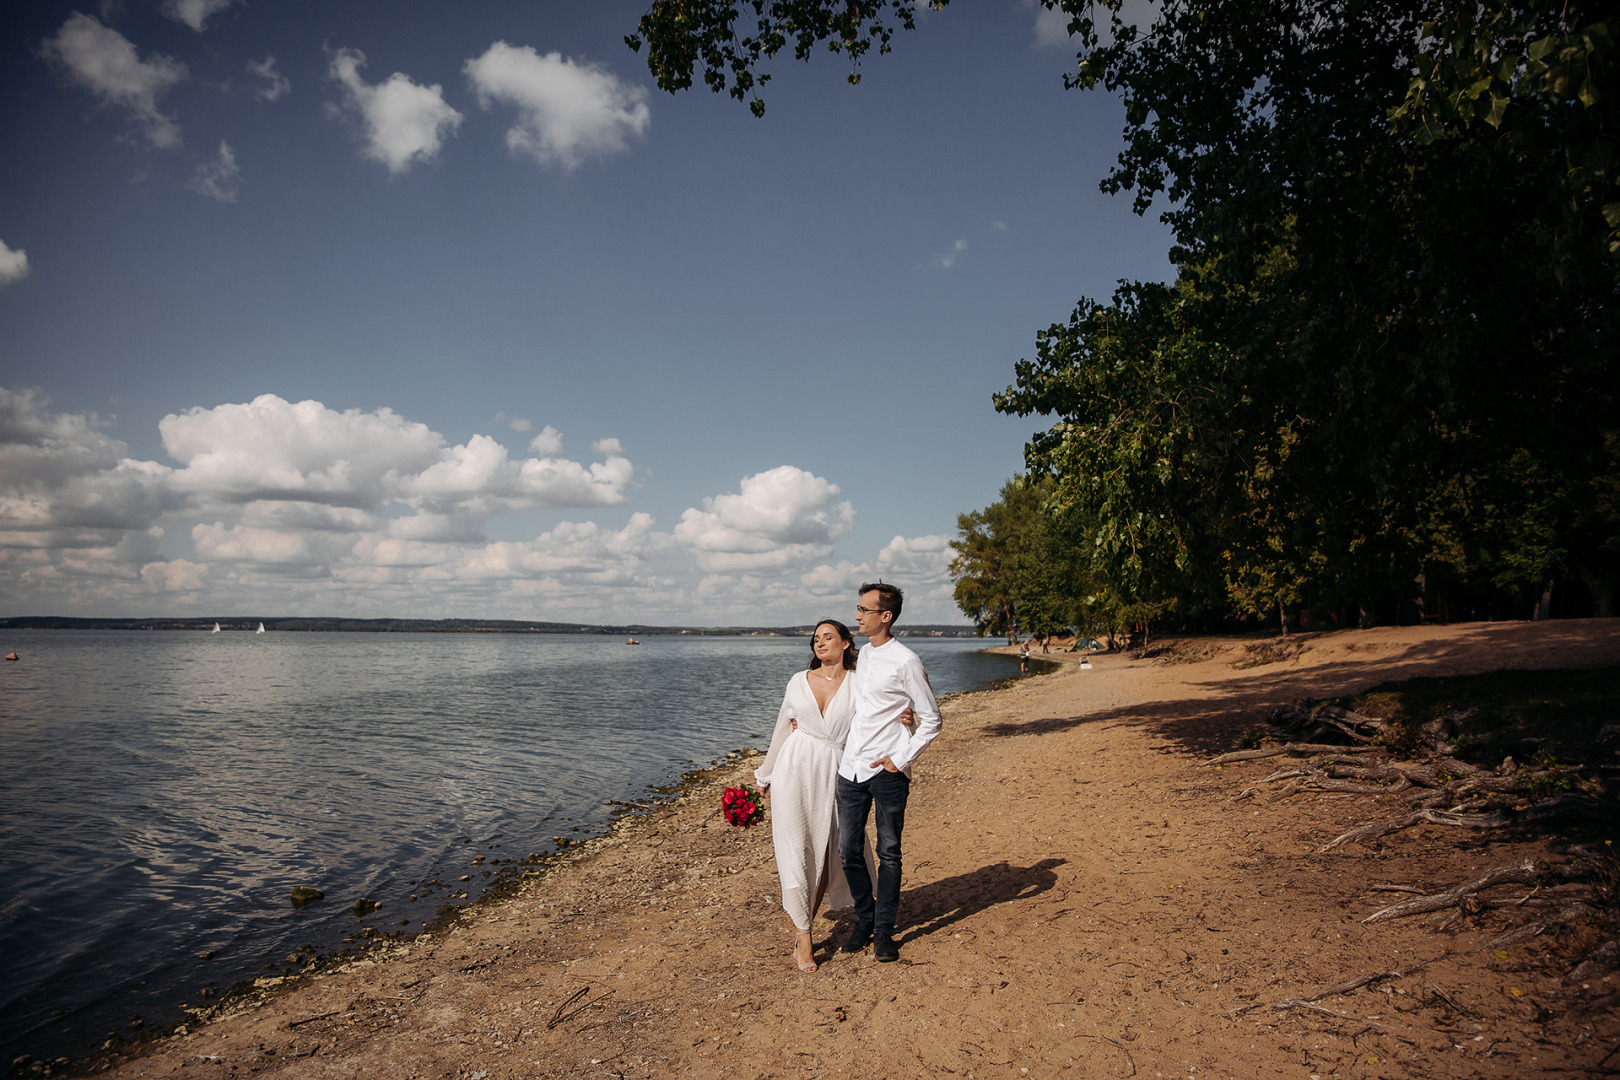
(1522, 873)
(1569, 913)
(1374, 829)
(1332, 991)
(1289, 748)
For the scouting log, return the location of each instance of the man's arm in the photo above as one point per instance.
(914, 681)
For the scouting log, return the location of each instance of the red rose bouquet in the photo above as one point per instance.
(742, 805)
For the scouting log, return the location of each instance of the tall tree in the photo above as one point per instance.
(1388, 358)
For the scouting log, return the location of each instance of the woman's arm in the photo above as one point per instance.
(786, 724)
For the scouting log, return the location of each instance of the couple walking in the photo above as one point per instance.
(845, 739)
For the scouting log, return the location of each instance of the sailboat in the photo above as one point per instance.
(215, 630)
(260, 630)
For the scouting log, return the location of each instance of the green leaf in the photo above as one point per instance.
(1499, 104)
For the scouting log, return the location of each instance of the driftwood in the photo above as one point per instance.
(1522, 873)
(1569, 913)
(1289, 748)
(1373, 830)
(1361, 729)
(1332, 991)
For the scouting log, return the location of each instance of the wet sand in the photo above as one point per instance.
(1082, 898)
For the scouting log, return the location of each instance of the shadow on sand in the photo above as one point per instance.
(928, 909)
(1203, 723)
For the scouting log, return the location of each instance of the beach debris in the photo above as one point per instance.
(563, 1012)
(1521, 873)
(303, 895)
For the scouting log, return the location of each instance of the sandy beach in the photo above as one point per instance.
(1083, 897)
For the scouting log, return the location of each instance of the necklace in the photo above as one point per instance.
(832, 678)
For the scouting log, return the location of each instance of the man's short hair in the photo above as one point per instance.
(889, 597)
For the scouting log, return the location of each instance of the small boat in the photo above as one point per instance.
(260, 630)
(12, 656)
(215, 630)
(632, 641)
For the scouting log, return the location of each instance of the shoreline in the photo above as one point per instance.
(1040, 805)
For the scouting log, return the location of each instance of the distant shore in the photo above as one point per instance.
(274, 624)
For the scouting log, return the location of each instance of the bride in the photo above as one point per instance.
(801, 768)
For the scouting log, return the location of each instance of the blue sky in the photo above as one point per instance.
(444, 310)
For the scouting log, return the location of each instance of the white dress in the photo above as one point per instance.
(801, 769)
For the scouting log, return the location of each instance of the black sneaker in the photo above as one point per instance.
(858, 939)
(884, 950)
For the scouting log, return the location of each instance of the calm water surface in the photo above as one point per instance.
(161, 793)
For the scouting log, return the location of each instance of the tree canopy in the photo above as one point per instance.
(1386, 366)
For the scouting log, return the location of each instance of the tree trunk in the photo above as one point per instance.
(1544, 605)
(1602, 590)
(1282, 617)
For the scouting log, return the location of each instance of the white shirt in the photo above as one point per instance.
(889, 679)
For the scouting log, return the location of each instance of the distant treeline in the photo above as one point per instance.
(436, 626)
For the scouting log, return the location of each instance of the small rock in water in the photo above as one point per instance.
(209, 955)
(364, 906)
(302, 895)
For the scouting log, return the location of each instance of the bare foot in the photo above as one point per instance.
(804, 951)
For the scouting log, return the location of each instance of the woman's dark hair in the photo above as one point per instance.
(843, 632)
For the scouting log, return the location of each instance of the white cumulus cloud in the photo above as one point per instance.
(481, 475)
(404, 122)
(568, 110)
(273, 450)
(275, 85)
(13, 265)
(776, 518)
(105, 62)
(63, 478)
(948, 259)
(243, 543)
(548, 443)
(296, 507)
(220, 178)
(194, 13)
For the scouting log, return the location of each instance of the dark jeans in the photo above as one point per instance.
(886, 791)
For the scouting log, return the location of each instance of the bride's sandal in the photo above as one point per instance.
(810, 951)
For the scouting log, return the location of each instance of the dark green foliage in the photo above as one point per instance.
(682, 36)
(1543, 719)
(1387, 363)
(1367, 376)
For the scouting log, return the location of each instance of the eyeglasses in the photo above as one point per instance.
(867, 610)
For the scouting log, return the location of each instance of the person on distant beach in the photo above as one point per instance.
(801, 769)
(876, 767)
(1023, 657)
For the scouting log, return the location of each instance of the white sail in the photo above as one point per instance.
(260, 630)
(215, 630)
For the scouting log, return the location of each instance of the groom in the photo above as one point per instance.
(876, 766)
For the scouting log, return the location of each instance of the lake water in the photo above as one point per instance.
(161, 793)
